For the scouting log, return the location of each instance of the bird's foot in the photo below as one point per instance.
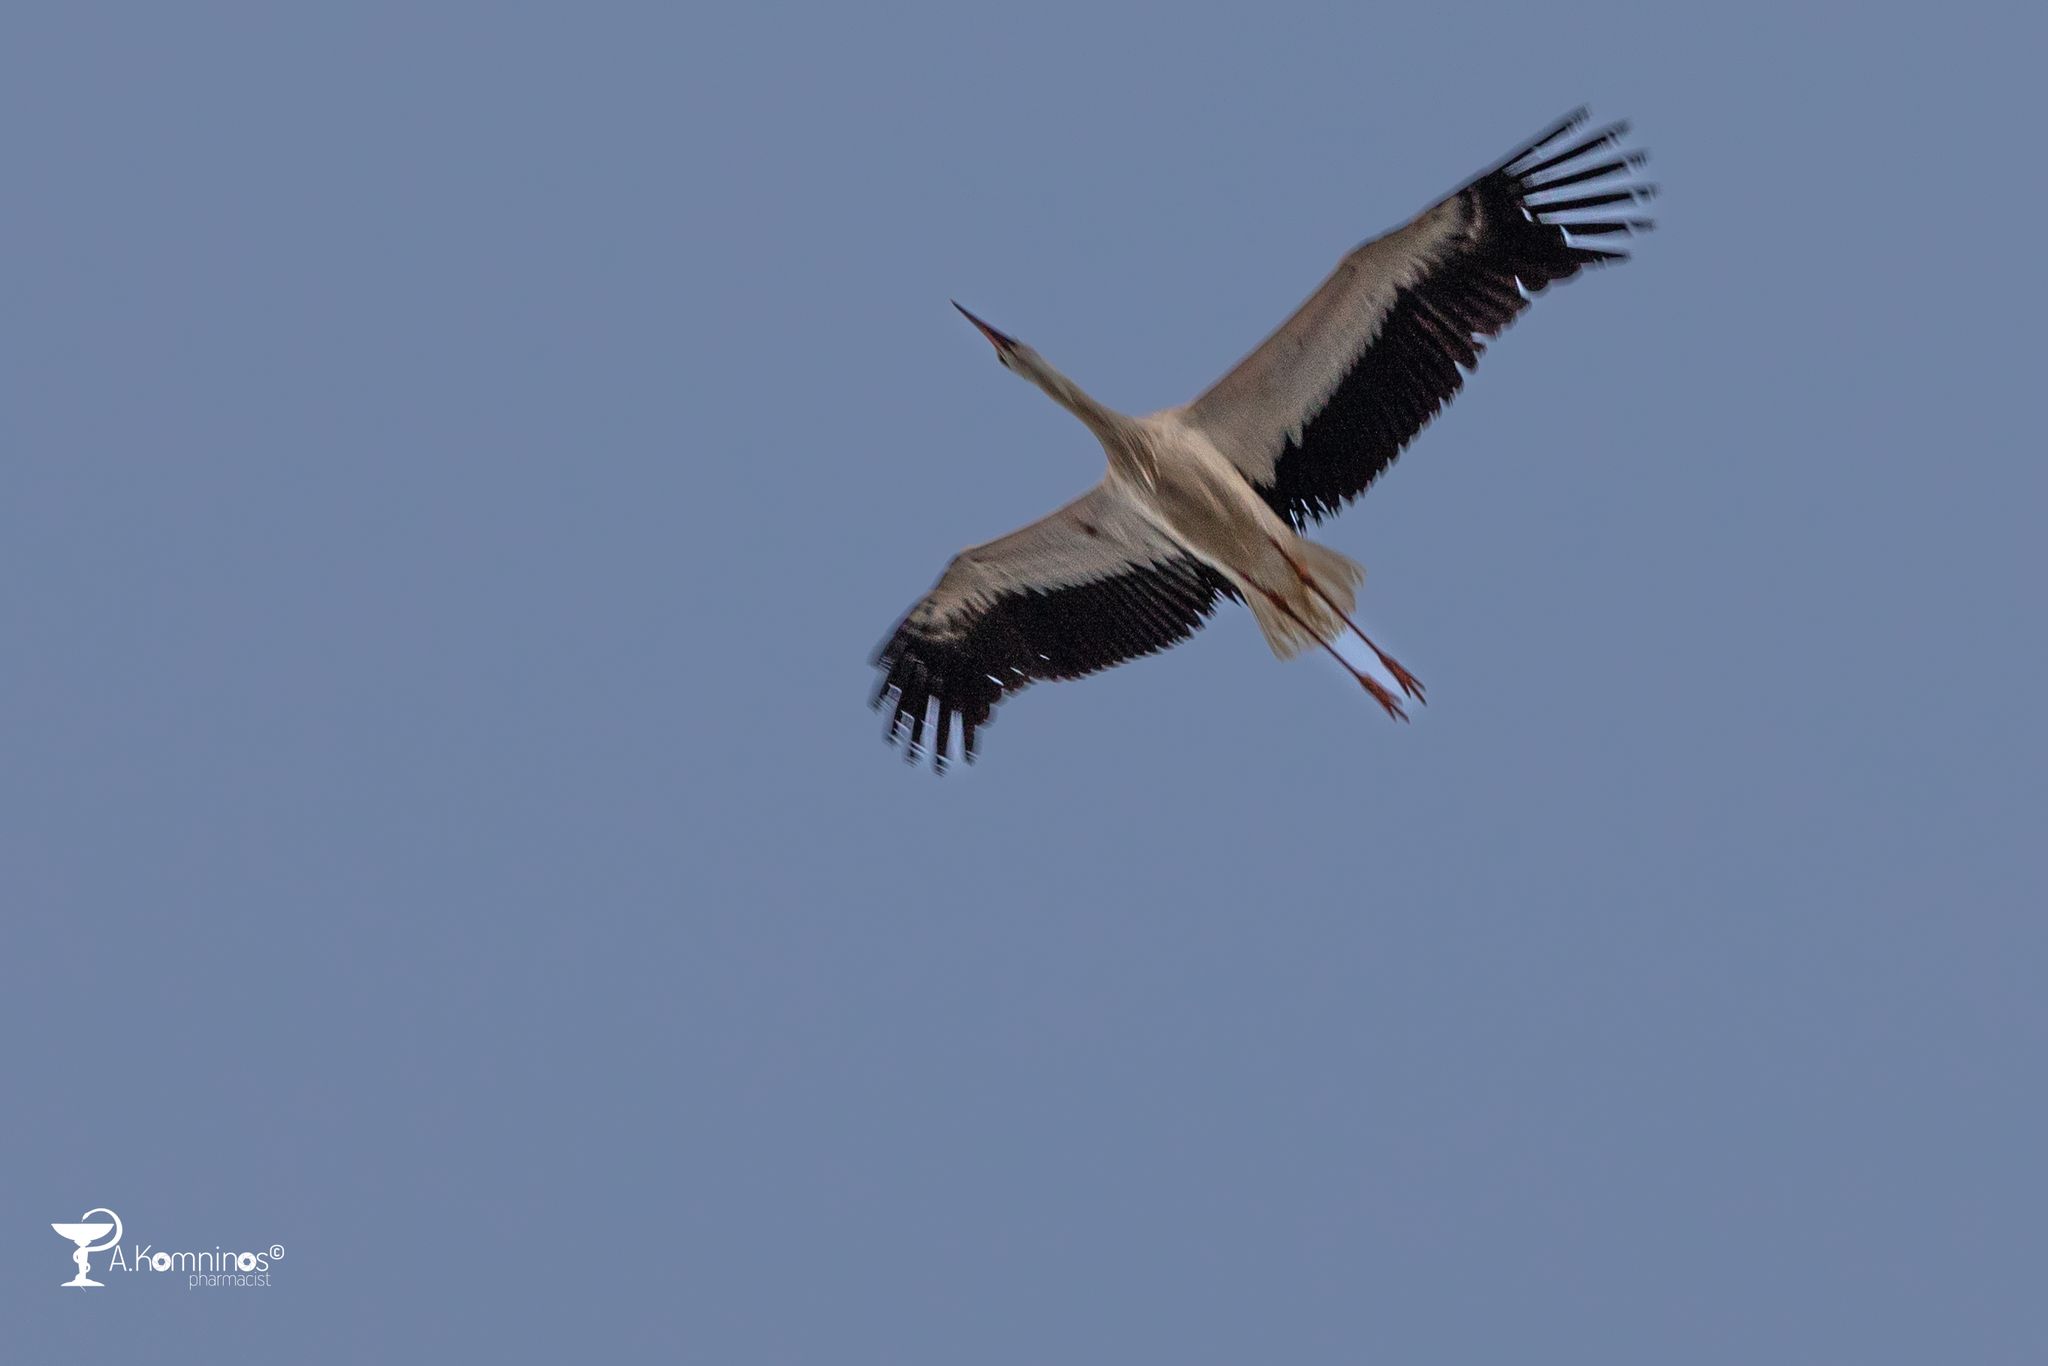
(1410, 684)
(1383, 697)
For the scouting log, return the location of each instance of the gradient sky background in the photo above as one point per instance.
(458, 460)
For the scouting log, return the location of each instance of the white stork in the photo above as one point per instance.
(1207, 500)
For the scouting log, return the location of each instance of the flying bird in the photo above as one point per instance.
(1208, 500)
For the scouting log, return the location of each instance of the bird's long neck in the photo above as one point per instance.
(1116, 432)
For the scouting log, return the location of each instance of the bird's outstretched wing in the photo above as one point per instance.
(1088, 587)
(1327, 402)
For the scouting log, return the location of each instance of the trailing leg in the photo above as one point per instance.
(1408, 682)
(1365, 680)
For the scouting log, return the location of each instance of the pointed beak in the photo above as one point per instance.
(1001, 342)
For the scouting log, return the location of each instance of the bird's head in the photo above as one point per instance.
(1014, 355)
(1020, 359)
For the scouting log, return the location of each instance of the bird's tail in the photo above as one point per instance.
(1302, 617)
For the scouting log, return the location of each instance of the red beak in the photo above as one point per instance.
(1001, 342)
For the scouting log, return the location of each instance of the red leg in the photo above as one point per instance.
(1365, 680)
(1409, 683)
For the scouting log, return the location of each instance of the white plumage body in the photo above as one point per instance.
(1200, 498)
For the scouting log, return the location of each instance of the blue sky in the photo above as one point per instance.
(457, 462)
